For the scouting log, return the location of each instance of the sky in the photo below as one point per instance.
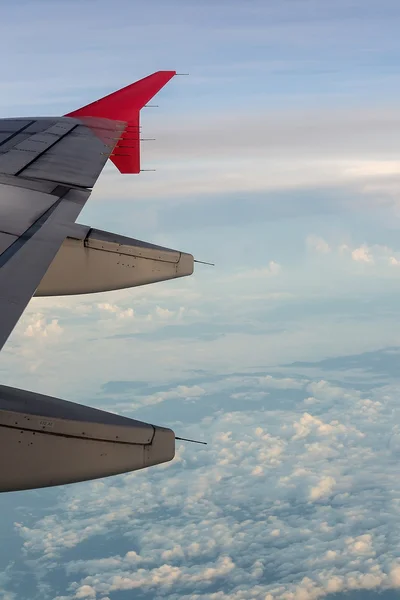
(276, 159)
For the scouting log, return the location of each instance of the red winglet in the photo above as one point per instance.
(125, 105)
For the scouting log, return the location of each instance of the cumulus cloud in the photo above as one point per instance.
(362, 254)
(284, 383)
(327, 391)
(317, 244)
(40, 327)
(361, 545)
(375, 254)
(372, 255)
(116, 310)
(272, 269)
(323, 489)
(85, 591)
(166, 314)
(282, 504)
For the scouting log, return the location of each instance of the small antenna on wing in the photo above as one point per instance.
(202, 262)
(192, 441)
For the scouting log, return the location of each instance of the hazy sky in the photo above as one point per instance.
(276, 158)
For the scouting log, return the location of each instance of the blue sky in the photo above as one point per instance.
(276, 158)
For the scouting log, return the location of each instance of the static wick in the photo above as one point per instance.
(202, 262)
(181, 73)
(191, 441)
(151, 106)
(147, 170)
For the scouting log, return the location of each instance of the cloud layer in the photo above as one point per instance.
(296, 497)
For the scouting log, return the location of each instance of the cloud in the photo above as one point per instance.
(85, 591)
(372, 254)
(284, 503)
(361, 545)
(181, 391)
(39, 327)
(166, 314)
(317, 244)
(271, 270)
(362, 254)
(323, 489)
(284, 383)
(120, 313)
(326, 391)
(375, 254)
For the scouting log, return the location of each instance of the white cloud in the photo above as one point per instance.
(395, 575)
(39, 327)
(373, 255)
(361, 545)
(317, 244)
(85, 591)
(324, 390)
(323, 489)
(120, 313)
(164, 313)
(272, 269)
(292, 477)
(285, 383)
(362, 254)
(184, 392)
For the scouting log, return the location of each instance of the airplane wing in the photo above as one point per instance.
(47, 169)
(48, 166)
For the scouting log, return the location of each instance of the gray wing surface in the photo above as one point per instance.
(47, 167)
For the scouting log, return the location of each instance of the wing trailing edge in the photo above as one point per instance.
(125, 105)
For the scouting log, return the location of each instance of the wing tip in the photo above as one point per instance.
(125, 105)
(122, 104)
